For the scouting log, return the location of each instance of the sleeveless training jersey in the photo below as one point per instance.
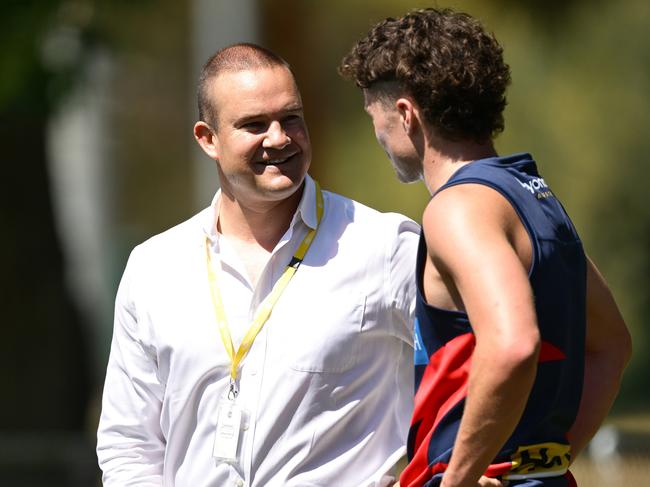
(444, 341)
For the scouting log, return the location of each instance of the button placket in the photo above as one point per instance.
(257, 363)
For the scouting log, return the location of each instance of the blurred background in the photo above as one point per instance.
(97, 103)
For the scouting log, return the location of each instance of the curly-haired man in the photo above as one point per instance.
(519, 345)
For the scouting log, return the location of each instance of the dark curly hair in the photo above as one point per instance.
(446, 61)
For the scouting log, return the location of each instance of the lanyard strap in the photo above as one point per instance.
(267, 305)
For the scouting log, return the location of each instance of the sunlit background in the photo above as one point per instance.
(97, 103)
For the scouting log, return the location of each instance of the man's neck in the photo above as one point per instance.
(256, 224)
(442, 158)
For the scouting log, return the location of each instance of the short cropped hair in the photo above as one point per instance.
(236, 57)
(446, 61)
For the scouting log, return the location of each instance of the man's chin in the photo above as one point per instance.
(405, 173)
(408, 178)
(281, 186)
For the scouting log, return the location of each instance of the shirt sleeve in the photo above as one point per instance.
(401, 277)
(130, 443)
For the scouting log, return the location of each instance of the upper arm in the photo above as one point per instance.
(401, 258)
(606, 329)
(130, 443)
(466, 228)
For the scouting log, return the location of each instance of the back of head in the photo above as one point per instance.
(446, 61)
(237, 57)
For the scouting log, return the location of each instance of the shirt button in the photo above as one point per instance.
(239, 483)
(252, 371)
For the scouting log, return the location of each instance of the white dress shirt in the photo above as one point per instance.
(326, 387)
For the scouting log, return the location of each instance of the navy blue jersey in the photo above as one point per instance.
(444, 340)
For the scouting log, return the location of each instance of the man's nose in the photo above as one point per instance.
(276, 137)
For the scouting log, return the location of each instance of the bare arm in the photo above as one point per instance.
(466, 231)
(607, 350)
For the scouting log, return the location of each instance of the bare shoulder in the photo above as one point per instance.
(464, 214)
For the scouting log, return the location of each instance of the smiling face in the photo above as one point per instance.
(261, 143)
(392, 135)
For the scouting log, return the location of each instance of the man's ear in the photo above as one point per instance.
(408, 114)
(207, 139)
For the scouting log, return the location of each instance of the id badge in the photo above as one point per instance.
(226, 439)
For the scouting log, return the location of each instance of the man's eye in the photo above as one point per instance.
(291, 121)
(254, 126)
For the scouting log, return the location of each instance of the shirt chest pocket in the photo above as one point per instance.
(324, 335)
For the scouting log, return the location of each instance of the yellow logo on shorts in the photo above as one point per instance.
(540, 460)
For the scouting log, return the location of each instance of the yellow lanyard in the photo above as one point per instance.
(266, 307)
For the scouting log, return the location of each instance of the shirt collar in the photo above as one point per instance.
(307, 206)
(209, 218)
(306, 210)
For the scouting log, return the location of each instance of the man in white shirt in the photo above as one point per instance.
(267, 341)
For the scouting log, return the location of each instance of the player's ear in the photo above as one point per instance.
(207, 139)
(407, 113)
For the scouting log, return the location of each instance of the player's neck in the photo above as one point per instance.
(443, 158)
(262, 224)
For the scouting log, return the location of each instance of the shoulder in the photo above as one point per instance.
(359, 224)
(180, 235)
(162, 262)
(364, 217)
(458, 202)
(169, 248)
(465, 213)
